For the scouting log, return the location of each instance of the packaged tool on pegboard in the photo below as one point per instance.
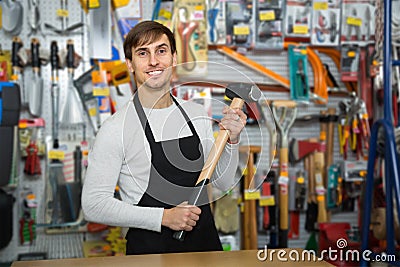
(299, 88)
(127, 13)
(165, 13)
(216, 19)
(349, 62)
(64, 184)
(191, 37)
(27, 217)
(353, 173)
(326, 22)
(32, 144)
(27, 129)
(334, 187)
(358, 23)
(239, 15)
(298, 19)
(268, 24)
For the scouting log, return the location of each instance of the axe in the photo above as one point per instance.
(239, 92)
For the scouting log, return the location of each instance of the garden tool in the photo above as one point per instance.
(16, 75)
(55, 92)
(36, 91)
(34, 16)
(12, 16)
(186, 29)
(284, 120)
(72, 111)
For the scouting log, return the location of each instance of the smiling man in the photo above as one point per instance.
(154, 149)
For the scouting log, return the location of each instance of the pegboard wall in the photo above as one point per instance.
(70, 245)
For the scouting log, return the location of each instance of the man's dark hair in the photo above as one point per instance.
(146, 32)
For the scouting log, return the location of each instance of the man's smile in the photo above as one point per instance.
(155, 72)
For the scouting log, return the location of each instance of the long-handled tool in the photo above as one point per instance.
(239, 92)
(55, 92)
(72, 110)
(12, 16)
(320, 173)
(36, 91)
(16, 76)
(255, 66)
(249, 219)
(284, 120)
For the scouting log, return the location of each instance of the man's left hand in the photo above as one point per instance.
(234, 121)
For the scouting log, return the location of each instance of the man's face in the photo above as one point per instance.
(152, 64)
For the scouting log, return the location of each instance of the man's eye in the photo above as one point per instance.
(162, 51)
(142, 53)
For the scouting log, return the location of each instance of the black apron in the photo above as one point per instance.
(164, 175)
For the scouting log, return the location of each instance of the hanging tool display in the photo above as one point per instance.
(12, 15)
(34, 17)
(312, 206)
(55, 92)
(334, 187)
(249, 221)
(63, 14)
(353, 127)
(72, 110)
(36, 91)
(297, 189)
(17, 74)
(32, 163)
(186, 29)
(255, 66)
(299, 88)
(284, 112)
(320, 172)
(27, 221)
(70, 192)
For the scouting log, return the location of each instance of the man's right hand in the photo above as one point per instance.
(181, 217)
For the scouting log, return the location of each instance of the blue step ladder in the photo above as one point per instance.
(392, 185)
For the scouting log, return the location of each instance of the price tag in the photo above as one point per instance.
(354, 21)
(56, 154)
(241, 30)
(267, 201)
(267, 15)
(252, 195)
(92, 112)
(199, 7)
(283, 180)
(320, 6)
(300, 29)
(101, 91)
(62, 13)
(351, 54)
(94, 3)
(22, 124)
(165, 13)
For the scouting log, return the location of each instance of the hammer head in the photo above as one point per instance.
(246, 91)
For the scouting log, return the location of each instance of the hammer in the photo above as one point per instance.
(239, 92)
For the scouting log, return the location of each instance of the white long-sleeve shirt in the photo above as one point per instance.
(121, 156)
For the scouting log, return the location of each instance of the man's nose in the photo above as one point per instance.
(153, 59)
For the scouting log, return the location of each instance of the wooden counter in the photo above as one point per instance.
(241, 258)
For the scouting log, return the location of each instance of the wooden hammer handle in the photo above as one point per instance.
(218, 147)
